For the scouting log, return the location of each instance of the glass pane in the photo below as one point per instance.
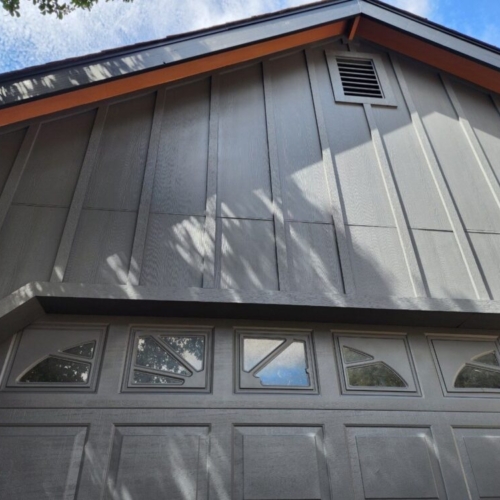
(471, 377)
(191, 349)
(85, 350)
(56, 370)
(489, 358)
(255, 350)
(353, 356)
(151, 355)
(374, 375)
(150, 378)
(288, 368)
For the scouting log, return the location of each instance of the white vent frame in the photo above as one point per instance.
(388, 98)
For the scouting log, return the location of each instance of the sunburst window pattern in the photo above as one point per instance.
(482, 372)
(60, 369)
(168, 359)
(275, 362)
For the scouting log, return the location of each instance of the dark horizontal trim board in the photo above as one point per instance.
(32, 301)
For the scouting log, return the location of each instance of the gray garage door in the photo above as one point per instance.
(128, 409)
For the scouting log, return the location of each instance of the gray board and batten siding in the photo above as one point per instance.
(256, 178)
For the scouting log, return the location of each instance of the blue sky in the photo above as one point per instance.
(35, 39)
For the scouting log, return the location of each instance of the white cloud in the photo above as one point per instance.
(422, 8)
(35, 39)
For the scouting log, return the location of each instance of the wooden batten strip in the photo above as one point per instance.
(141, 227)
(428, 53)
(476, 147)
(338, 215)
(17, 171)
(150, 79)
(278, 204)
(210, 232)
(354, 28)
(416, 276)
(75, 210)
(442, 188)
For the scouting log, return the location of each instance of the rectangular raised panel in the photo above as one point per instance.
(40, 462)
(395, 464)
(159, 462)
(280, 463)
(480, 454)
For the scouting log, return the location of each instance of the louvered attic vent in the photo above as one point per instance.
(359, 78)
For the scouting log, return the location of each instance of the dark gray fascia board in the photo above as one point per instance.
(82, 72)
(94, 70)
(431, 32)
(36, 299)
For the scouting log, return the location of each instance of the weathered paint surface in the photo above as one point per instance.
(256, 179)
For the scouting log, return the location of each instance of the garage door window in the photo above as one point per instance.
(275, 361)
(168, 359)
(56, 358)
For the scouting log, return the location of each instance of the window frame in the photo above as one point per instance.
(411, 390)
(244, 382)
(11, 382)
(203, 378)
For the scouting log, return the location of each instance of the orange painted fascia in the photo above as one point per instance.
(425, 52)
(150, 79)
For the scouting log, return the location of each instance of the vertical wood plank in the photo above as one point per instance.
(17, 170)
(209, 236)
(278, 209)
(78, 200)
(331, 178)
(134, 274)
(463, 242)
(416, 277)
(473, 141)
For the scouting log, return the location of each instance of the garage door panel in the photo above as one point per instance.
(480, 455)
(40, 462)
(395, 463)
(280, 463)
(158, 462)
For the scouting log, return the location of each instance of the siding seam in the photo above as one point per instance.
(141, 227)
(211, 254)
(474, 143)
(329, 167)
(17, 170)
(456, 222)
(417, 279)
(75, 210)
(276, 188)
